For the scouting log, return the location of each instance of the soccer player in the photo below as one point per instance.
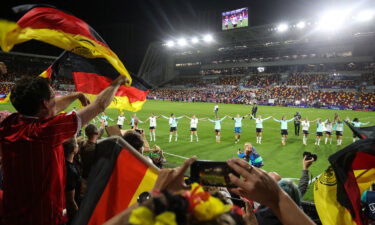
(173, 121)
(329, 127)
(237, 126)
(120, 120)
(319, 131)
(284, 128)
(105, 118)
(216, 109)
(259, 127)
(339, 127)
(356, 123)
(134, 121)
(152, 120)
(217, 123)
(194, 126)
(305, 130)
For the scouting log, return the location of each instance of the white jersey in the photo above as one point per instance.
(328, 127)
(193, 122)
(340, 127)
(216, 108)
(120, 120)
(305, 125)
(152, 121)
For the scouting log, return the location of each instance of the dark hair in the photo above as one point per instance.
(29, 93)
(69, 146)
(355, 120)
(134, 139)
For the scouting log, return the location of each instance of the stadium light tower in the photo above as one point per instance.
(301, 25)
(194, 40)
(282, 27)
(170, 43)
(333, 20)
(181, 42)
(365, 15)
(208, 38)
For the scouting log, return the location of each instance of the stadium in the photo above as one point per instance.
(289, 89)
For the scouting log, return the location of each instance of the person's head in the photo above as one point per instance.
(134, 115)
(306, 119)
(172, 114)
(121, 113)
(291, 189)
(259, 117)
(91, 131)
(328, 121)
(103, 113)
(283, 117)
(217, 118)
(238, 115)
(134, 139)
(193, 117)
(156, 149)
(152, 114)
(33, 97)
(355, 120)
(248, 148)
(70, 147)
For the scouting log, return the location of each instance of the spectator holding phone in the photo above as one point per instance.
(250, 155)
(304, 180)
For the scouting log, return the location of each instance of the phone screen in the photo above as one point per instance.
(212, 173)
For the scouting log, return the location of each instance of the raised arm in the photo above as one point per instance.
(252, 116)
(223, 118)
(110, 118)
(203, 119)
(64, 101)
(267, 118)
(365, 123)
(290, 120)
(276, 120)
(101, 102)
(177, 118)
(213, 121)
(164, 117)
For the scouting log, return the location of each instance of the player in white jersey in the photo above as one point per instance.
(152, 127)
(339, 127)
(194, 127)
(259, 127)
(217, 128)
(173, 121)
(305, 130)
(134, 122)
(104, 118)
(120, 120)
(328, 129)
(319, 131)
(237, 127)
(284, 128)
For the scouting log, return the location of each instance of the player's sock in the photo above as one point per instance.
(150, 136)
(304, 140)
(260, 139)
(257, 140)
(330, 140)
(175, 139)
(326, 140)
(191, 138)
(196, 135)
(319, 141)
(170, 137)
(154, 136)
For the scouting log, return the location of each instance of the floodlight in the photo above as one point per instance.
(365, 15)
(170, 43)
(208, 38)
(194, 40)
(181, 42)
(301, 25)
(260, 69)
(282, 27)
(333, 20)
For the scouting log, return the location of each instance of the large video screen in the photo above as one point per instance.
(235, 19)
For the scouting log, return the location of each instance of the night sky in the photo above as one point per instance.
(156, 20)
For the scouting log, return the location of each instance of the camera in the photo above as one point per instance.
(310, 156)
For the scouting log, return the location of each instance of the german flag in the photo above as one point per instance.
(362, 132)
(338, 191)
(119, 175)
(91, 76)
(88, 59)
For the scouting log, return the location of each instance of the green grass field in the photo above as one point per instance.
(286, 160)
(244, 23)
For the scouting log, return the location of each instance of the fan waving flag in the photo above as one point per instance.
(55, 27)
(120, 174)
(338, 191)
(91, 76)
(362, 132)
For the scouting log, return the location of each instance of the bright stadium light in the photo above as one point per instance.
(282, 27)
(194, 40)
(208, 38)
(301, 25)
(170, 43)
(181, 42)
(333, 20)
(365, 15)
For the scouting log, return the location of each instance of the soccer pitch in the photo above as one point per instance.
(285, 160)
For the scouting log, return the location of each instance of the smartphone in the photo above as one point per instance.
(212, 173)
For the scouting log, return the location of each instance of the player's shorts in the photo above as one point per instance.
(119, 126)
(173, 129)
(193, 129)
(338, 133)
(319, 134)
(258, 130)
(284, 132)
(329, 132)
(305, 132)
(237, 130)
(152, 128)
(217, 130)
